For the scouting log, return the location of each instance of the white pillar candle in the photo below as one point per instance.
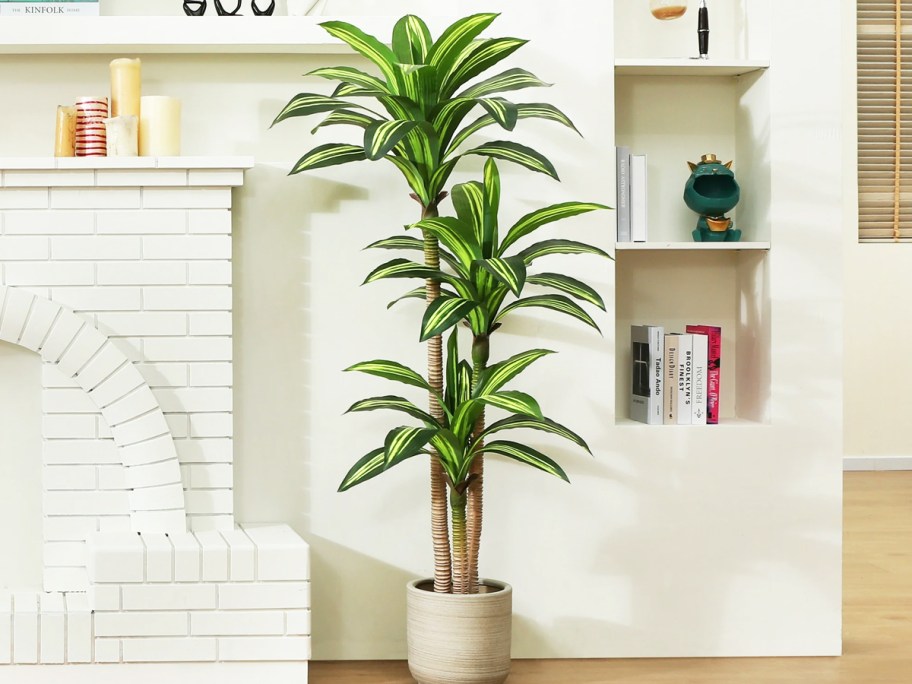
(123, 136)
(126, 84)
(159, 126)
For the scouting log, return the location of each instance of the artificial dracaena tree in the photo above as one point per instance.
(484, 279)
(414, 114)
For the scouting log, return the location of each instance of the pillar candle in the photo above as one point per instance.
(126, 82)
(159, 126)
(65, 135)
(90, 129)
(123, 136)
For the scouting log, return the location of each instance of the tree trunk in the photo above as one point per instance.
(460, 556)
(443, 564)
(474, 506)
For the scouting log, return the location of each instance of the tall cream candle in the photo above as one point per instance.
(65, 134)
(126, 84)
(159, 126)
(123, 136)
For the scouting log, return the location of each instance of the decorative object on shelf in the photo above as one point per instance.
(122, 135)
(222, 12)
(703, 30)
(51, 8)
(159, 126)
(126, 86)
(471, 275)
(666, 10)
(91, 113)
(711, 191)
(262, 12)
(194, 8)
(65, 132)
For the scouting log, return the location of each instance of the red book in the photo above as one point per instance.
(714, 365)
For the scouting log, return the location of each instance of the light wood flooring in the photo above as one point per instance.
(877, 618)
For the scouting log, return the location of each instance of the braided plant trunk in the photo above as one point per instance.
(443, 565)
(475, 508)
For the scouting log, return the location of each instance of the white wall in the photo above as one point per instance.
(592, 563)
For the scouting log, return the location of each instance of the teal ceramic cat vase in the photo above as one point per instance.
(711, 191)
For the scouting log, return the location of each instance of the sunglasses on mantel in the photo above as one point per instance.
(197, 8)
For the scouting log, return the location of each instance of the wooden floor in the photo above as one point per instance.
(877, 619)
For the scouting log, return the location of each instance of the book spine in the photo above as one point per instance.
(48, 9)
(623, 193)
(639, 371)
(700, 355)
(714, 370)
(685, 379)
(656, 361)
(638, 198)
(670, 374)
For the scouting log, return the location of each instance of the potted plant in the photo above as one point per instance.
(471, 275)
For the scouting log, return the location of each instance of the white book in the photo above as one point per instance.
(700, 378)
(685, 379)
(647, 349)
(74, 8)
(638, 218)
(622, 155)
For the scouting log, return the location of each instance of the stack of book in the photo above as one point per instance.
(631, 195)
(58, 8)
(676, 376)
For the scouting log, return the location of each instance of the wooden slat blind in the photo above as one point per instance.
(885, 120)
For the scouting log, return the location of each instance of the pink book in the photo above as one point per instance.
(714, 365)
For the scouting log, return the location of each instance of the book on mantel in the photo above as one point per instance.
(58, 8)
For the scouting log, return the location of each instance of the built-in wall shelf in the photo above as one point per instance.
(692, 246)
(687, 67)
(178, 35)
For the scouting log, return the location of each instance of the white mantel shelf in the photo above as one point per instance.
(116, 163)
(691, 246)
(688, 67)
(178, 35)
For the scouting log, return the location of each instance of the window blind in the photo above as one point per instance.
(885, 120)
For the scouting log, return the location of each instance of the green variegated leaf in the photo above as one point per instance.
(368, 466)
(502, 111)
(468, 200)
(404, 442)
(450, 452)
(412, 243)
(476, 58)
(525, 454)
(346, 117)
(514, 402)
(448, 116)
(465, 417)
(541, 217)
(571, 286)
(352, 76)
(535, 110)
(516, 153)
(411, 39)
(366, 45)
(391, 370)
(447, 49)
(418, 84)
(401, 268)
(392, 403)
(464, 382)
(330, 154)
(512, 79)
(546, 247)
(491, 208)
(355, 90)
(456, 236)
(442, 314)
(413, 177)
(305, 104)
(511, 272)
(451, 370)
(417, 293)
(440, 176)
(499, 374)
(544, 424)
(381, 137)
(554, 303)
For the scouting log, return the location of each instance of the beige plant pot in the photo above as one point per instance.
(459, 638)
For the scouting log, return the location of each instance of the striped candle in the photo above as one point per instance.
(91, 137)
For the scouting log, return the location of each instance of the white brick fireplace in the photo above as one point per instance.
(117, 273)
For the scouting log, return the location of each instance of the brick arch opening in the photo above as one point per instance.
(128, 407)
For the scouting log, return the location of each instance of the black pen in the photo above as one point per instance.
(703, 29)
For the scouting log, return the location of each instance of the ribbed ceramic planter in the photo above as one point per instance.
(457, 638)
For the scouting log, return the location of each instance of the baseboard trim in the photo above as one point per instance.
(860, 463)
(155, 673)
